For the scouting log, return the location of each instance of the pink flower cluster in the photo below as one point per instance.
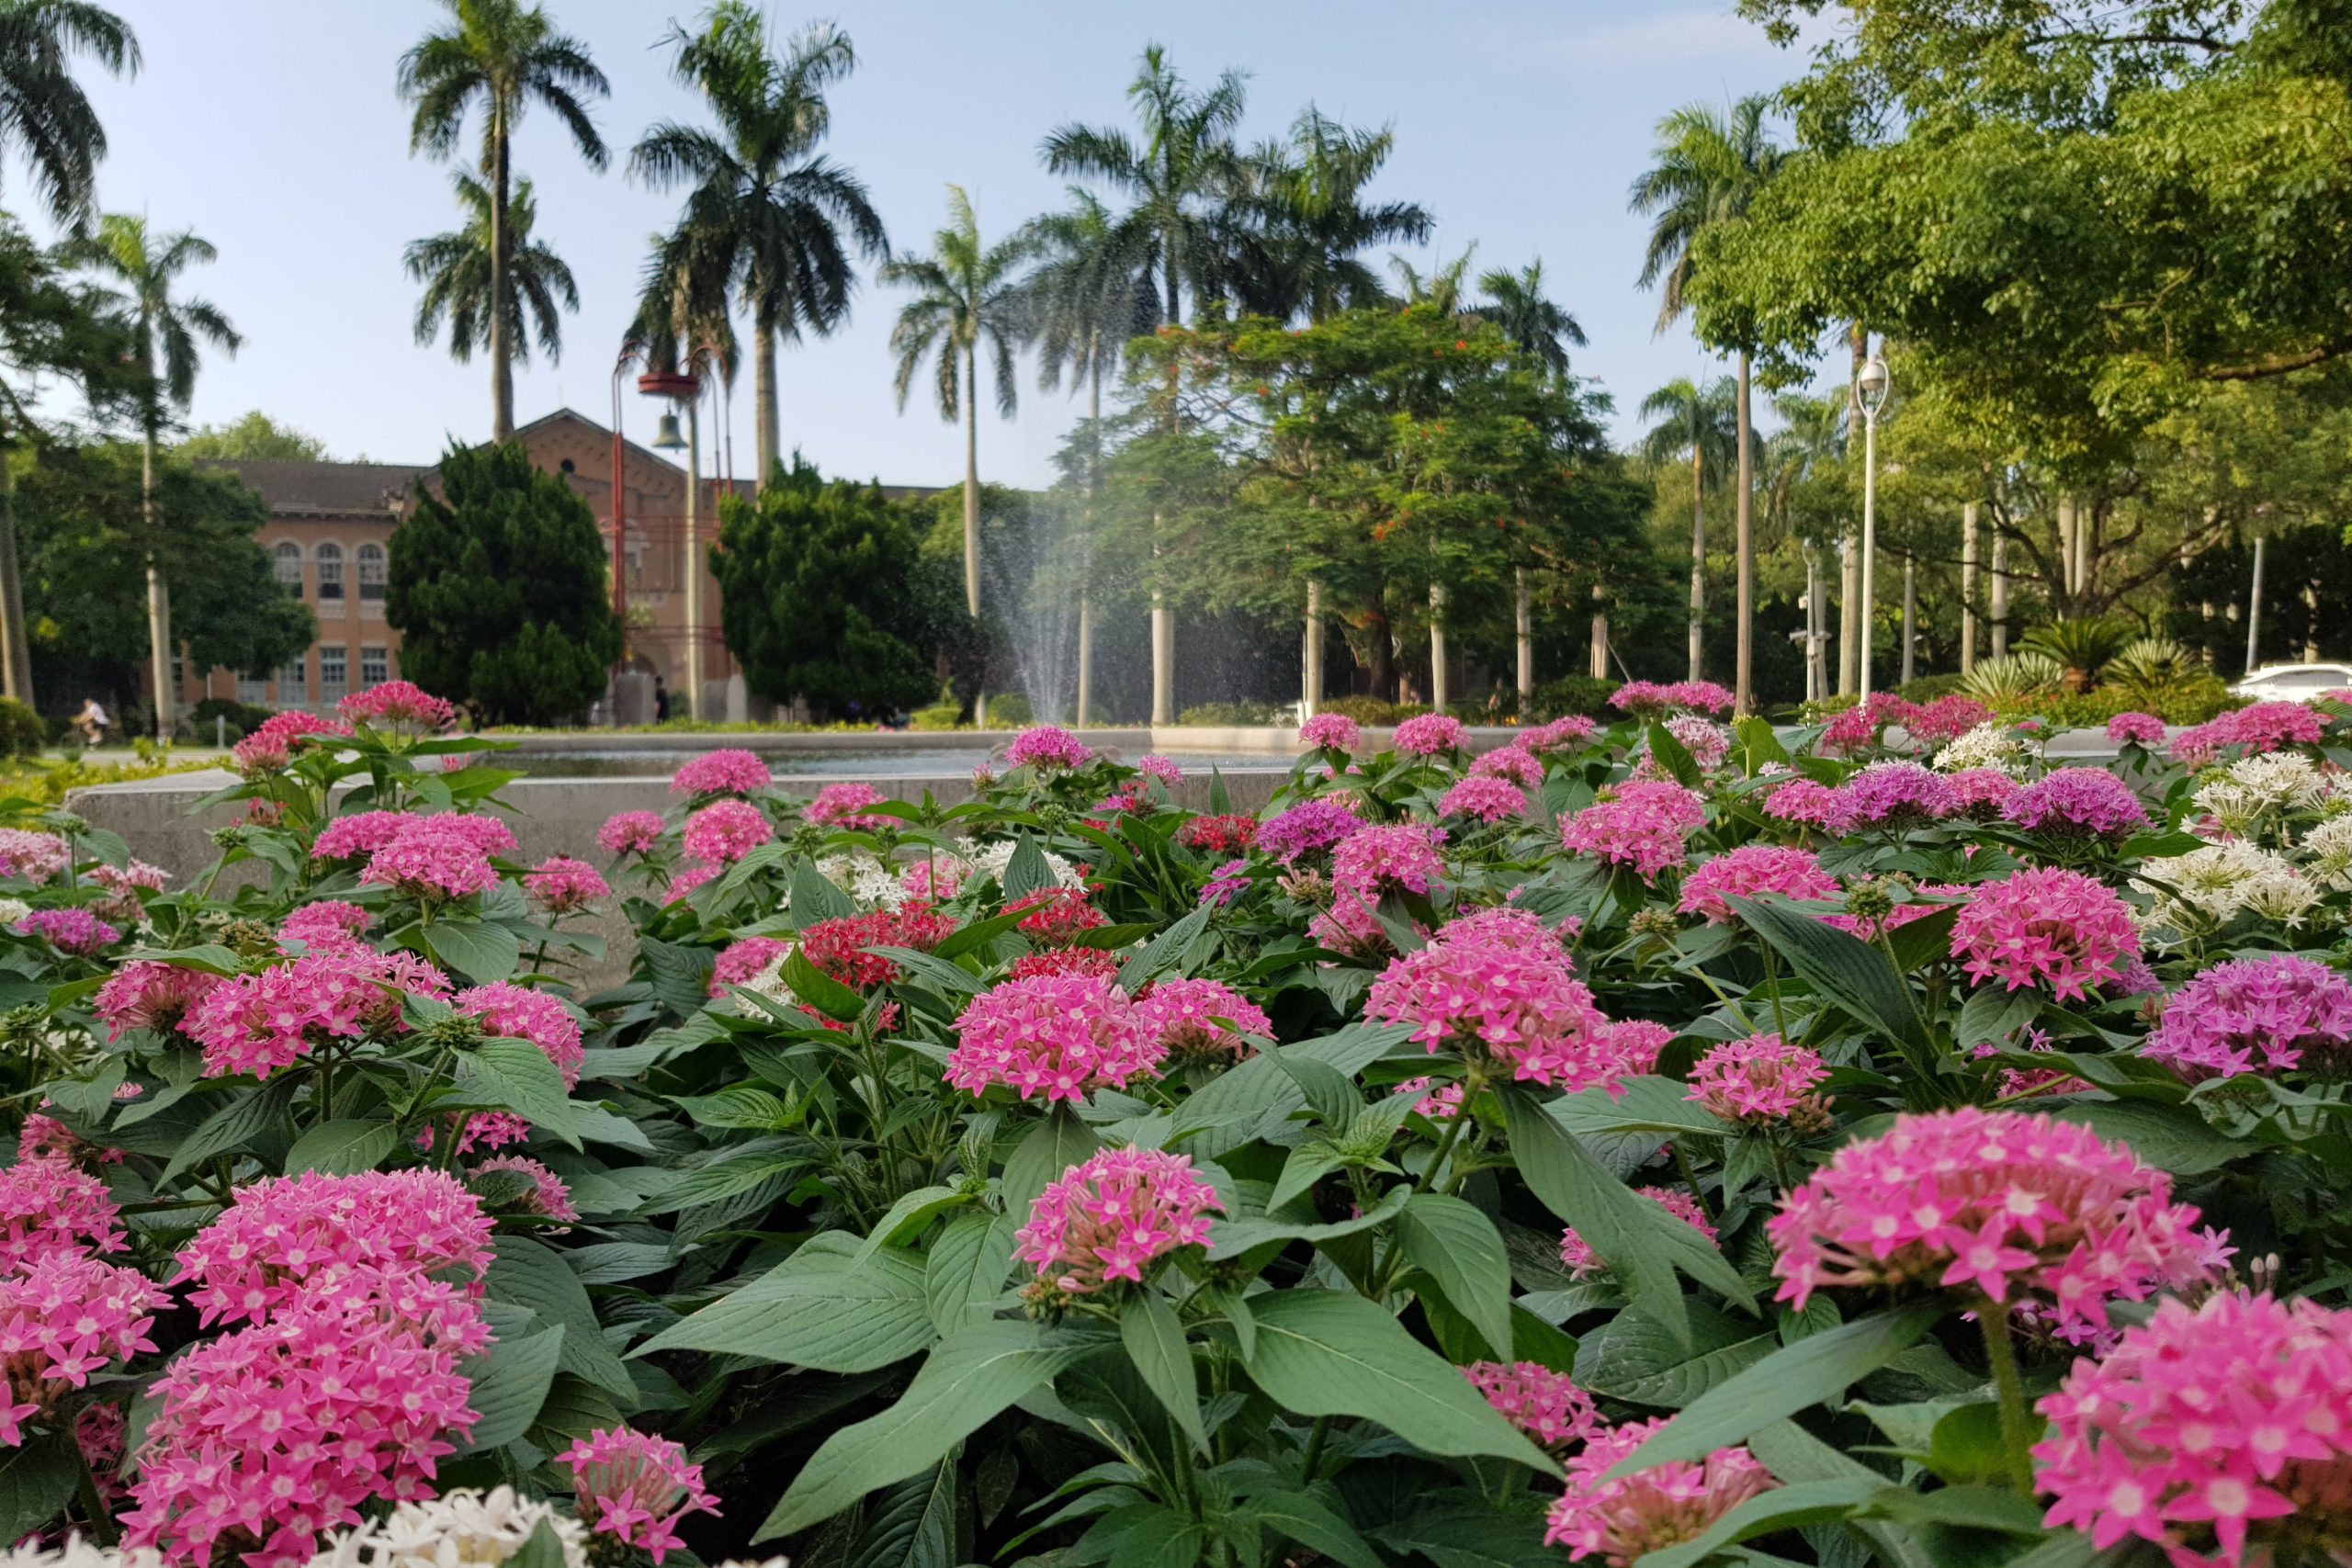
(1751, 870)
(630, 833)
(1577, 1257)
(1762, 1081)
(361, 833)
(518, 1012)
(1330, 731)
(1056, 1036)
(36, 857)
(1112, 1215)
(259, 1022)
(1394, 857)
(272, 745)
(398, 705)
(2216, 1432)
(1708, 742)
(2265, 726)
(1520, 767)
(63, 1316)
(548, 1197)
(1892, 796)
(1495, 996)
(1574, 729)
(1488, 800)
(636, 1488)
(1619, 1520)
(1983, 793)
(148, 995)
(844, 805)
(1646, 825)
(433, 858)
(740, 963)
(1546, 1405)
(1431, 735)
(1227, 883)
(2264, 1015)
(2010, 1206)
(728, 771)
(1647, 699)
(2058, 930)
(561, 884)
(724, 832)
(47, 1208)
(1438, 1103)
(2074, 802)
(1310, 828)
(1046, 747)
(1203, 1020)
(75, 932)
(1801, 801)
(1164, 770)
(1946, 718)
(2138, 728)
(324, 924)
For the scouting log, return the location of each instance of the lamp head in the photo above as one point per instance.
(1872, 385)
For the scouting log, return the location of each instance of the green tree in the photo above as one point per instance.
(45, 117)
(252, 436)
(1516, 303)
(166, 334)
(503, 56)
(766, 218)
(815, 580)
(1297, 232)
(456, 269)
(966, 295)
(498, 589)
(1700, 424)
(1710, 167)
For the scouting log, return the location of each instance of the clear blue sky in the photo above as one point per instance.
(271, 128)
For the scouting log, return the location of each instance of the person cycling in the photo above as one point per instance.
(92, 722)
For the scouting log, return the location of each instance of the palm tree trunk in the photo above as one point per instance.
(502, 361)
(1523, 625)
(971, 483)
(1598, 667)
(768, 436)
(16, 653)
(1744, 660)
(1441, 690)
(1163, 620)
(159, 602)
(1851, 629)
(1697, 561)
(1093, 487)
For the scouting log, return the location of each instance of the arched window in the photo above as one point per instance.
(371, 571)
(287, 563)
(330, 572)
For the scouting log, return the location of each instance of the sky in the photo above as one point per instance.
(271, 128)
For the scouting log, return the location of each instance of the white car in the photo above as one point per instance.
(2293, 683)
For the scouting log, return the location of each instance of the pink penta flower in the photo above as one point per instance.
(1429, 734)
(1201, 1020)
(1308, 829)
(1699, 696)
(1395, 857)
(280, 738)
(1642, 699)
(844, 805)
(1055, 1035)
(689, 878)
(432, 859)
(1331, 732)
(2061, 931)
(1891, 796)
(48, 1207)
(1646, 824)
(1577, 1257)
(2005, 1206)
(2266, 1015)
(324, 925)
(2078, 803)
(1619, 1520)
(548, 1196)
(520, 1013)
(148, 995)
(358, 835)
(724, 832)
(728, 771)
(1164, 770)
(1488, 800)
(1982, 794)
(740, 963)
(2220, 1433)
(1751, 870)
(45, 1137)
(398, 705)
(631, 833)
(2135, 728)
(75, 932)
(1762, 1081)
(559, 884)
(1495, 1001)
(1438, 1103)
(1114, 1214)
(1801, 801)
(2265, 726)
(635, 1487)
(1522, 767)
(1546, 1405)
(62, 1317)
(1560, 735)
(1047, 747)
(1708, 742)
(1227, 883)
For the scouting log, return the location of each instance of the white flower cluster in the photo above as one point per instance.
(1987, 746)
(990, 859)
(768, 983)
(456, 1530)
(78, 1553)
(12, 909)
(2329, 845)
(2254, 790)
(2205, 889)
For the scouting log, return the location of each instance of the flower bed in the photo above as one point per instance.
(1646, 1145)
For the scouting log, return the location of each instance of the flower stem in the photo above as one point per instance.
(2017, 1418)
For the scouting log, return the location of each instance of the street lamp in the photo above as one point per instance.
(1870, 390)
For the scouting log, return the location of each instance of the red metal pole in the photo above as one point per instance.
(620, 509)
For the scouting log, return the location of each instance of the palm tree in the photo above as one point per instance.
(765, 217)
(1446, 285)
(1516, 303)
(1180, 181)
(1296, 232)
(506, 56)
(1710, 166)
(166, 333)
(1812, 433)
(455, 269)
(1700, 423)
(966, 295)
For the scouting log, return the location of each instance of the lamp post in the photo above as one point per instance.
(684, 390)
(1870, 387)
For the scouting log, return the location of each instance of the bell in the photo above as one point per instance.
(667, 437)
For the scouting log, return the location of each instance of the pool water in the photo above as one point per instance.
(926, 762)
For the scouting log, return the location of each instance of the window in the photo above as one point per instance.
(371, 573)
(294, 683)
(252, 690)
(334, 668)
(331, 572)
(374, 666)
(288, 564)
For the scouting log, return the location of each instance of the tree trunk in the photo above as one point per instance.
(1999, 607)
(1910, 614)
(1523, 618)
(15, 653)
(971, 483)
(1310, 664)
(2253, 611)
(159, 604)
(1380, 648)
(1697, 561)
(1093, 487)
(1744, 660)
(1850, 627)
(1440, 687)
(767, 437)
(502, 351)
(1968, 588)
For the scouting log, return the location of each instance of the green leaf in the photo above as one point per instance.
(907, 1216)
(1796, 1456)
(515, 1074)
(1026, 872)
(1154, 1343)
(1459, 1247)
(966, 1380)
(36, 1483)
(1055, 1144)
(679, 977)
(541, 1548)
(1675, 758)
(1970, 1507)
(818, 989)
(1965, 1446)
(1302, 1518)
(1330, 1093)
(511, 1383)
(1164, 949)
(1993, 1015)
(1633, 1357)
(937, 972)
(1325, 1353)
(1847, 971)
(1642, 1243)
(88, 1099)
(211, 957)
(964, 1272)
(1257, 1099)
(1786, 1508)
(815, 1310)
(529, 1273)
(1458, 1537)
(814, 898)
(1648, 1104)
(234, 1126)
(477, 948)
(342, 1148)
(738, 1107)
(1815, 1370)
(911, 1525)
(2171, 1138)
(725, 1178)
(1232, 1239)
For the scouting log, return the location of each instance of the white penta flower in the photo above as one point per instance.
(1987, 746)
(456, 1530)
(768, 983)
(990, 859)
(11, 911)
(79, 1553)
(2208, 887)
(2273, 782)
(2329, 845)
